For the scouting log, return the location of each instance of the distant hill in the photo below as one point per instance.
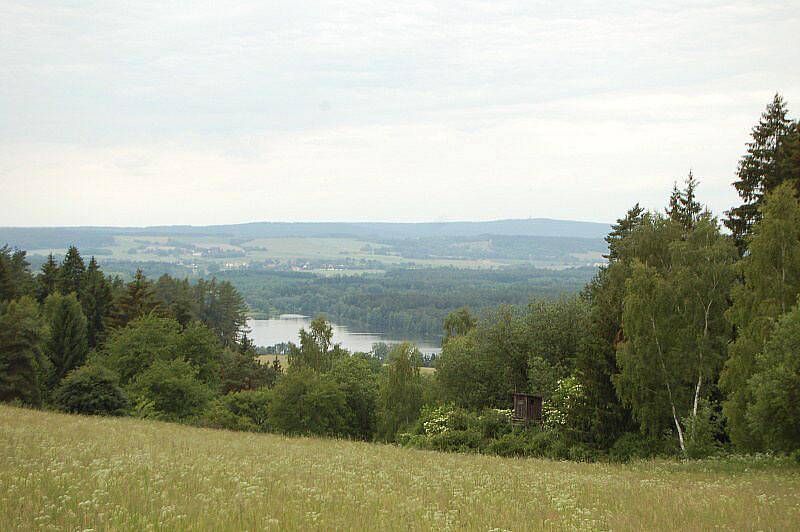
(59, 237)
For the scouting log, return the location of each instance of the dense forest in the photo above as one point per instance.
(401, 301)
(687, 343)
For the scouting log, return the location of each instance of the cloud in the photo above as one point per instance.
(369, 110)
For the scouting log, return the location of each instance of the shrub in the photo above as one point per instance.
(91, 389)
(460, 441)
(246, 410)
(636, 446)
(306, 402)
(510, 444)
(170, 389)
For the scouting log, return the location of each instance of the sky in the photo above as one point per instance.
(157, 112)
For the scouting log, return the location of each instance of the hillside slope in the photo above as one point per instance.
(69, 472)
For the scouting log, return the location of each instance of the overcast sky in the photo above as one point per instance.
(144, 113)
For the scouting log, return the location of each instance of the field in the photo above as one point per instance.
(61, 472)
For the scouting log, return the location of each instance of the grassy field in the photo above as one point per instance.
(61, 472)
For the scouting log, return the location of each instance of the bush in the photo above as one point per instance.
(306, 402)
(170, 390)
(246, 410)
(636, 446)
(91, 389)
(459, 441)
(510, 444)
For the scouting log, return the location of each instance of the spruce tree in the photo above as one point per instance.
(47, 281)
(683, 206)
(67, 344)
(15, 277)
(21, 360)
(621, 229)
(137, 300)
(758, 171)
(71, 273)
(97, 302)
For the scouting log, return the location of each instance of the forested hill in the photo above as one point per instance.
(57, 237)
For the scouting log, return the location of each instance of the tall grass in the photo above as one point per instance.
(60, 472)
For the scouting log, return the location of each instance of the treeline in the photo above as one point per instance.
(74, 338)
(402, 301)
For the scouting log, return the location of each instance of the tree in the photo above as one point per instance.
(623, 228)
(458, 323)
(307, 402)
(316, 350)
(22, 364)
(132, 349)
(137, 300)
(758, 172)
(71, 272)
(91, 390)
(400, 393)
(48, 280)
(770, 286)
(97, 301)
(683, 206)
(200, 346)
(675, 330)
(67, 344)
(242, 371)
(170, 390)
(15, 277)
(774, 412)
(356, 379)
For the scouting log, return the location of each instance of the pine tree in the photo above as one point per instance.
(683, 206)
(621, 229)
(67, 344)
(15, 277)
(137, 300)
(21, 360)
(71, 272)
(97, 302)
(758, 172)
(47, 281)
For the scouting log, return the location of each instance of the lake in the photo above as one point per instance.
(286, 327)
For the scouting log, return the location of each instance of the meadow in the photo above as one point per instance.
(60, 472)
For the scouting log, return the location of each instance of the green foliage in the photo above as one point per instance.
(71, 272)
(704, 432)
(771, 282)
(132, 349)
(316, 350)
(67, 344)
(637, 446)
(15, 277)
(307, 402)
(359, 383)
(775, 387)
(97, 299)
(246, 410)
(91, 389)
(241, 371)
(200, 346)
(409, 302)
(400, 392)
(763, 168)
(172, 389)
(137, 300)
(22, 363)
(458, 323)
(48, 279)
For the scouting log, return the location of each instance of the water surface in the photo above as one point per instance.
(286, 328)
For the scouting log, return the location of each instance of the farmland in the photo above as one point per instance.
(63, 472)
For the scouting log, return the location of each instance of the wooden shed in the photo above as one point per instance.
(527, 408)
